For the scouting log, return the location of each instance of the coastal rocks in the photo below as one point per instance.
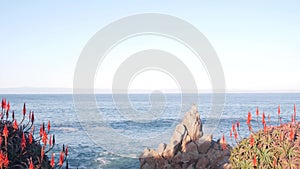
(188, 148)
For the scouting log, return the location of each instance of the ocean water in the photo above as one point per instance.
(117, 138)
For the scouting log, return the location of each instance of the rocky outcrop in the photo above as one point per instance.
(188, 148)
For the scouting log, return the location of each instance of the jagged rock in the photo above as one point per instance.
(191, 167)
(202, 163)
(204, 144)
(177, 158)
(161, 148)
(186, 139)
(160, 162)
(216, 146)
(146, 166)
(148, 159)
(188, 148)
(191, 147)
(149, 153)
(169, 151)
(189, 157)
(176, 166)
(178, 135)
(167, 166)
(193, 123)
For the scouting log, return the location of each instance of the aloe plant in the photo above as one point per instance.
(21, 147)
(271, 147)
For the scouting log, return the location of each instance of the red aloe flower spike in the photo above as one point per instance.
(23, 143)
(50, 140)
(32, 117)
(1, 140)
(49, 126)
(61, 158)
(249, 118)
(281, 136)
(53, 140)
(41, 130)
(8, 107)
(257, 114)
(43, 126)
(238, 125)
(24, 109)
(235, 135)
(13, 115)
(250, 128)
(6, 161)
(275, 163)
(5, 131)
(263, 119)
(265, 128)
(3, 104)
(31, 166)
(29, 116)
(45, 138)
(293, 118)
(233, 126)
(223, 139)
(254, 160)
(295, 111)
(1, 154)
(251, 140)
(279, 119)
(6, 114)
(42, 153)
(292, 134)
(30, 138)
(67, 148)
(52, 163)
(15, 126)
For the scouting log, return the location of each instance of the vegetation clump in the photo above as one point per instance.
(21, 146)
(270, 147)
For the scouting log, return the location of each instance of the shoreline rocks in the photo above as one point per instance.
(188, 148)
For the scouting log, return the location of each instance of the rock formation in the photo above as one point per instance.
(188, 148)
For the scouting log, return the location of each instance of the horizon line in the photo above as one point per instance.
(45, 90)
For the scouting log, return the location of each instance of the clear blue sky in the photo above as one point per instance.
(256, 41)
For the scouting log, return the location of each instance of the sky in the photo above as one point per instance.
(257, 42)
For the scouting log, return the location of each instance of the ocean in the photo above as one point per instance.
(113, 135)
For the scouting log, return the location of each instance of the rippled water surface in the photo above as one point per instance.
(88, 153)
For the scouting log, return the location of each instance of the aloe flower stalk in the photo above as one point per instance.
(257, 114)
(52, 163)
(23, 142)
(295, 111)
(254, 161)
(278, 111)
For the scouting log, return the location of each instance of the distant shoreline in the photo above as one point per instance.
(137, 93)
